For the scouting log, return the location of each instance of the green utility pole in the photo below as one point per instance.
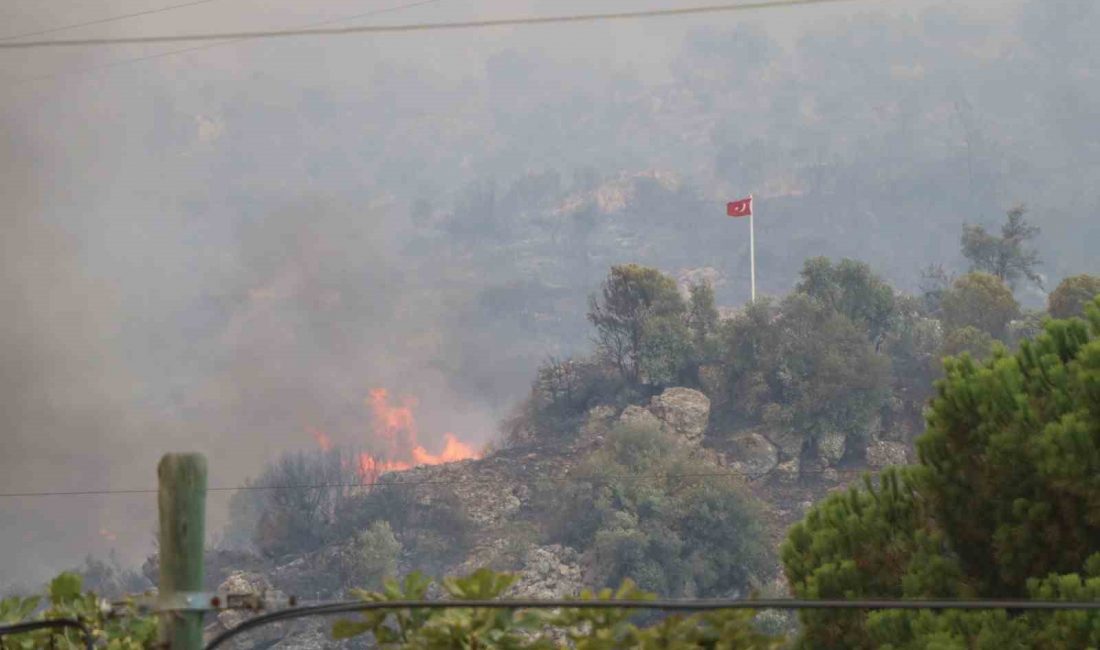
(182, 504)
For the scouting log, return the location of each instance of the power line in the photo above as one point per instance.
(395, 483)
(419, 27)
(207, 46)
(109, 19)
(696, 605)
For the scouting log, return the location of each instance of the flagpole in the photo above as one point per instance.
(752, 250)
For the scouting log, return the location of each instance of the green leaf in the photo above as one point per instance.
(345, 629)
(65, 588)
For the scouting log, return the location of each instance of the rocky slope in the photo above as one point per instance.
(496, 495)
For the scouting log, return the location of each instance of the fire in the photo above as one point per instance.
(108, 535)
(453, 449)
(394, 426)
(323, 441)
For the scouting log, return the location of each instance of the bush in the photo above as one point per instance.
(498, 629)
(379, 553)
(299, 516)
(65, 599)
(643, 516)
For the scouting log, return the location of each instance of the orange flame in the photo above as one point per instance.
(323, 441)
(394, 425)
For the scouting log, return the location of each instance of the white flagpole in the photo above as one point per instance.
(752, 249)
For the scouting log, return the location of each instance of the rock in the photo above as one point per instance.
(682, 411)
(549, 572)
(789, 442)
(831, 445)
(788, 471)
(243, 582)
(752, 454)
(881, 453)
(636, 416)
(597, 422)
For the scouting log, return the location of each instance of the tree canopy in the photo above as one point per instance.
(1001, 504)
(1072, 294)
(1007, 257)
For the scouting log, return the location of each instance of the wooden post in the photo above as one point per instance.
(182, 504)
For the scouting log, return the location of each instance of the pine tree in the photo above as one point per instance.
(1004, 502)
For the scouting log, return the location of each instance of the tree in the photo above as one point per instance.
(1000, 505)
(630, 296)
(852, 289)
(803, 367)
(702, 316)
(1008, 257)
(979, 300)
(1072, 294)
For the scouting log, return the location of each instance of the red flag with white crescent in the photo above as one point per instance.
(740, 208)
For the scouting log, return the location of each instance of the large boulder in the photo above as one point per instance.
(882, 453)
(244, 582)
(549, 572)
(831, 445)
(682, 411)
(790, 443)
(751, 454)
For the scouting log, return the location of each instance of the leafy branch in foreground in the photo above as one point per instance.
(66, 601)
(506, 629)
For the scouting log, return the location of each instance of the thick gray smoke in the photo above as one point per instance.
(216, 250)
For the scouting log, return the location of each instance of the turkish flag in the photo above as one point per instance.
(741, 208)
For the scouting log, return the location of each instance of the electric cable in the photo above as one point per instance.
(700, 605)
(419, 27)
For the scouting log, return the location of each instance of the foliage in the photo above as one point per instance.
(430, 522)
(631, 295)
(982, 301)
(295, 521)
(1072, 294)
(968, 340)
(562, 393)
(1007, 257)
(64, 599)
(803, 367)
(637, 511)
(579, 628)
(852, 289)
(379, 552)
(914, 347)
(1001, 504)
(110, 579)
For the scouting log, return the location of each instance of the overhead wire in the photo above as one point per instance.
(695, 605)
(416, 483)
(207, 46)
(420, 27)
(109, 19)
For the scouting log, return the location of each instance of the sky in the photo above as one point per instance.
(172, 280)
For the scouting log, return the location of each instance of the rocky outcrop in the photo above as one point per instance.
(683, 412)
(831, 446)
(549, 572)
(751, 454)
(883, 453)
(790, 443)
